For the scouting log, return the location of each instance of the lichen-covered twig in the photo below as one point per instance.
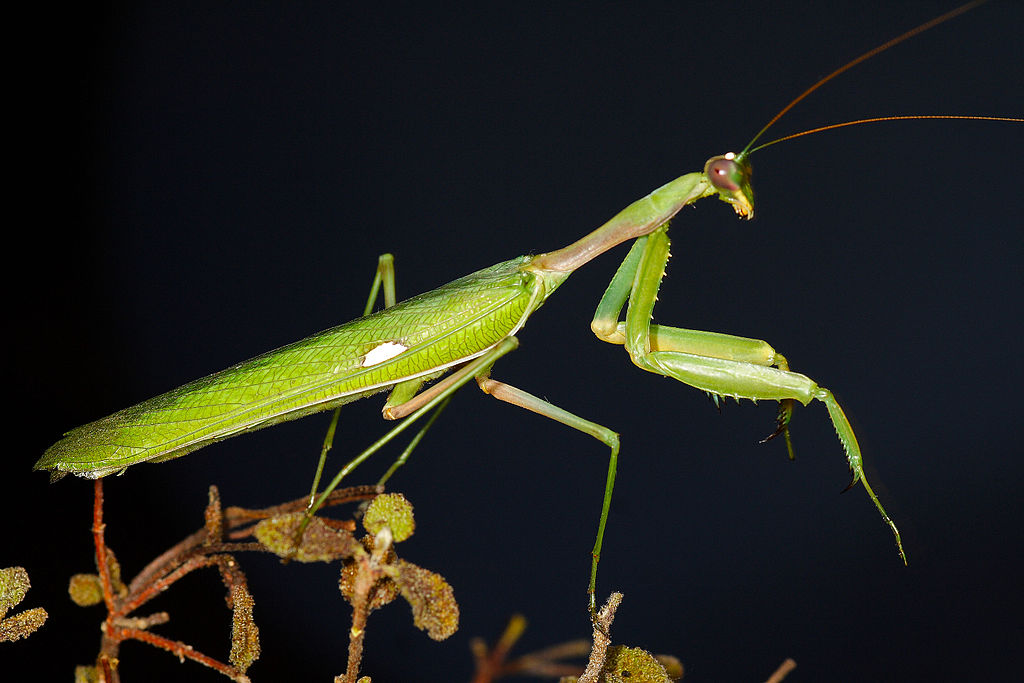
(602, 639)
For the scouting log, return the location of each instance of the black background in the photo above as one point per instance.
(204, 184)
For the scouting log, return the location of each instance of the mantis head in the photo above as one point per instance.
(730, 176)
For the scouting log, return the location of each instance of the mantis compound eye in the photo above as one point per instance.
(730, 176)
(724, 173)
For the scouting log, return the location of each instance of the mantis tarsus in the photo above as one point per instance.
(495, 303)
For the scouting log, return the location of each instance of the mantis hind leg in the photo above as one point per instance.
(518, 397)
(720, 364)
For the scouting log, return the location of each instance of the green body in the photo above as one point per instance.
(320, 372)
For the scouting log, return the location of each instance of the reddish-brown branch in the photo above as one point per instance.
(157, 587)
(492, 664)
(191, 553)
(100, 544)
(165, 559)
(489, 665)
(237, 518)
(182, 651)
(782, 671)
(366, 577)
(142, 592)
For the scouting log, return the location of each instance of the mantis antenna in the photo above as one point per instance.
(750, 149)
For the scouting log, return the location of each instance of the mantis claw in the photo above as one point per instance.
(779, 429)
(782, 426)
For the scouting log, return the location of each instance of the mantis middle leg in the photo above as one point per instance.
(720, 364)
(384, 278)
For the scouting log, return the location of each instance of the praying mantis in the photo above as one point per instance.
(380, 353)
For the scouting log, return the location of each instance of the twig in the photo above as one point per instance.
(193, 552)
(360, 611)
(602, 639)
(491, 664)
(238, 517)
(370, 572)
(166, 558)
(782, 671)
(183, 651)
(98, 526)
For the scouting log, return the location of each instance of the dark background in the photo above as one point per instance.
(204, 184)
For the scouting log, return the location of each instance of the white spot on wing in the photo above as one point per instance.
(379, 354)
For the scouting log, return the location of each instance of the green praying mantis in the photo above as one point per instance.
(455, 334)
